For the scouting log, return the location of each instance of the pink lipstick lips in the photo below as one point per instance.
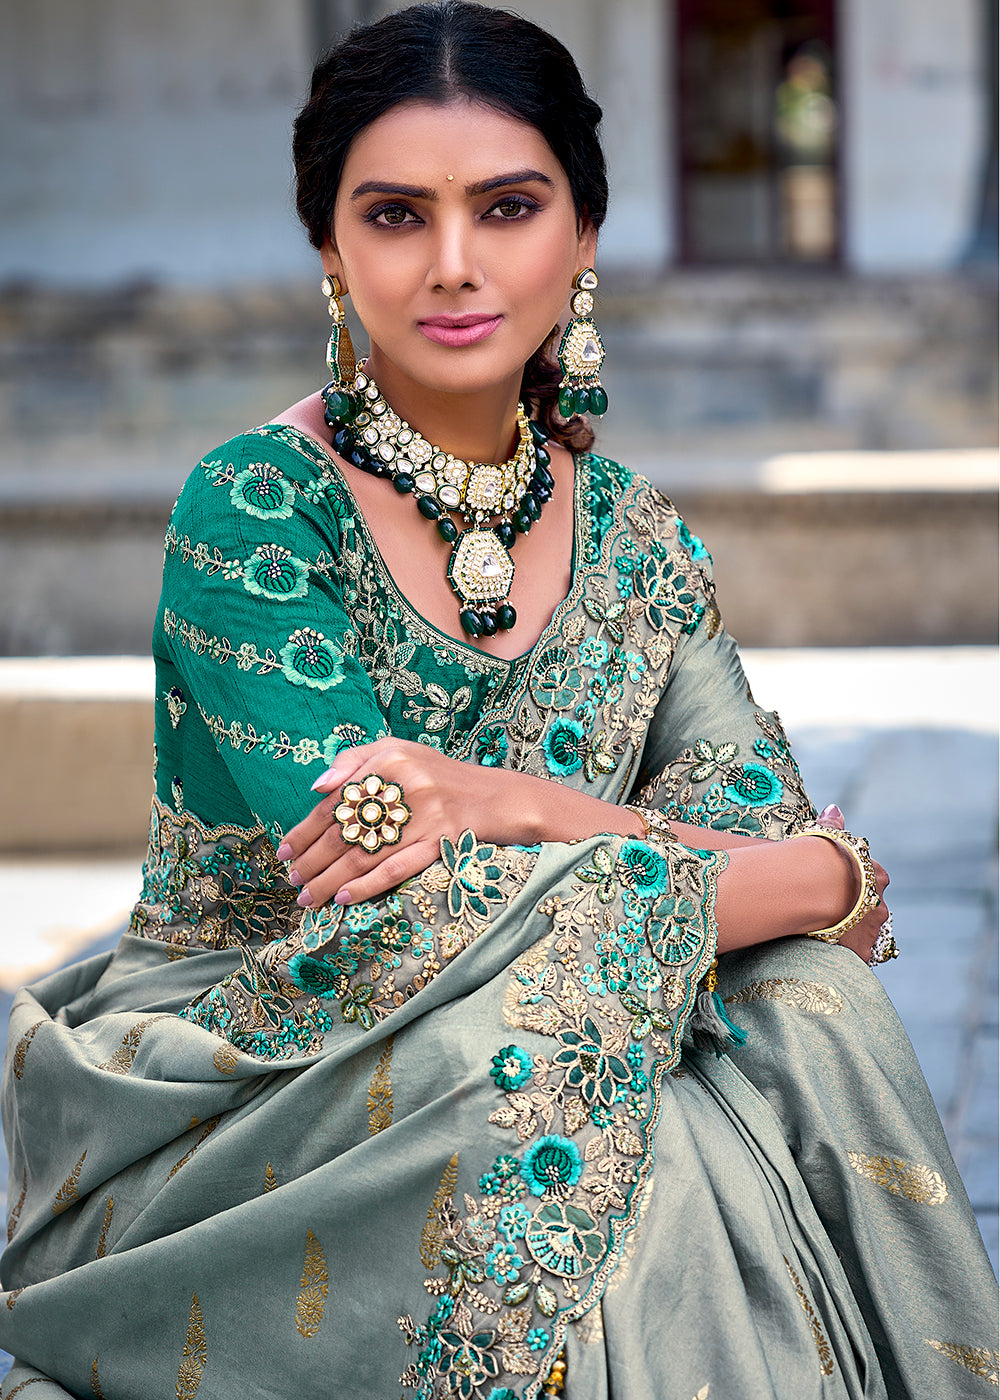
(457, 331)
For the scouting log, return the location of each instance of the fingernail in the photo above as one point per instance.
(294, 878)
(304, 900)
(284, 851)
(342, 896)
(831, 811)
(326, 777)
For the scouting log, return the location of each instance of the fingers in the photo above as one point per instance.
(831, 816)
(353, 879)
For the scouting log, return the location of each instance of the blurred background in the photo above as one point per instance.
(798, 298)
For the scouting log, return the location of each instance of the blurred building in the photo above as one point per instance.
(151, 141)
(800, 254)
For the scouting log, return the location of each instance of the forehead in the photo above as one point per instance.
(420, 143)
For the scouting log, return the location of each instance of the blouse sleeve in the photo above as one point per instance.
(713, 757)
(255, 618)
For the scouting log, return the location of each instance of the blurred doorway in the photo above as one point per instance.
(757, 131)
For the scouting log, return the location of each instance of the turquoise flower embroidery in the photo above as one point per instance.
(754, 786)
(347, 736)
(503, 1263)
(564, 1239)
(491, 747)
(501, 1393)
(672, 937)
(511, 1068)
(274, 573)
(474, 876)
(308, 658)
(635, 665)
(593, 652)
(763, 749)
(514, 1220)
(537, 1339)
(360, 917)
(552, 1162)
(690, 542)
(565, 747)
(555, 681)
(263, 491)
(642, 868)
(315, 975)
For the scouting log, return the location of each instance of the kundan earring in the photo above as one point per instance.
(581, 353)
(339, 393)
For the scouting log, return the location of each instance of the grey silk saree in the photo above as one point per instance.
(434, 1144)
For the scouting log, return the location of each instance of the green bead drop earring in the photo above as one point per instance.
(581, 353)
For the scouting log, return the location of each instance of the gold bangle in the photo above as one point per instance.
(868, 899)
(656, 829)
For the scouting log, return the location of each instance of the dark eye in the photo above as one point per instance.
(391, 215)
(514, 206)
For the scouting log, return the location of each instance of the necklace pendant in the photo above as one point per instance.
(480, 569)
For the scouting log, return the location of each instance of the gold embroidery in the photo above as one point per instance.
(210, 1126)
(979, 1360)
(121, 1061)
(314, 1287)
(195, 1354)
(226, 1058)
(431, 1238)
(32, 1380)
(703, 1392)
(68, 1191)
(22, 1049)
(270, 1180)
(380, 1092)
(910, 1179)
(794, 992)
(102, 1243)
(822, 1346)
(12, 1298)
(15, 1213)
(95, 1382)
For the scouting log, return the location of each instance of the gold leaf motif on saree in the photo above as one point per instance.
(979, 1360)
(815, 997)
(912, 1180)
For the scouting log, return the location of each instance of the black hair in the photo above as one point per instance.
(434, 53)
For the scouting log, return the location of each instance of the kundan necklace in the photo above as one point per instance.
(480, 570)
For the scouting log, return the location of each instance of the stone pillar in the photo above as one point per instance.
(912, 103)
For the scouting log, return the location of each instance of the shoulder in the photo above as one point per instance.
(273, 476)
(614, 490)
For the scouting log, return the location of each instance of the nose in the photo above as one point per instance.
(455, 265)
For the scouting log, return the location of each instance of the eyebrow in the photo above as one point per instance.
(495, 182)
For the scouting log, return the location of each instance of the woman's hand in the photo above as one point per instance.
(445, 798)
(861, 938)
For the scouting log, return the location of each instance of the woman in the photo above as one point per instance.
(372, 1091)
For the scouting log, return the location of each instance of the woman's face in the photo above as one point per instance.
(456, 235)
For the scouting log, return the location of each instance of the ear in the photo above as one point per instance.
(333, 266)
(587, 244)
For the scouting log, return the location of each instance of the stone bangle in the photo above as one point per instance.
(657, 830)
(869, 898)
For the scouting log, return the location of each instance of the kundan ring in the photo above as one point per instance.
(371, 813)
(885, 945)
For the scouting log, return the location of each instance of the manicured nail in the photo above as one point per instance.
(831, 811)
(327, 777)
(294, 878)
(305, 900)
(284, 851)
(342, 896)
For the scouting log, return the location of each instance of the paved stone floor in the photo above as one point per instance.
(904, 740)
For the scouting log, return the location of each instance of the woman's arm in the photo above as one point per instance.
(769, 889)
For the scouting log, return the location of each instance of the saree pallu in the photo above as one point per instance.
(458, 1140)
